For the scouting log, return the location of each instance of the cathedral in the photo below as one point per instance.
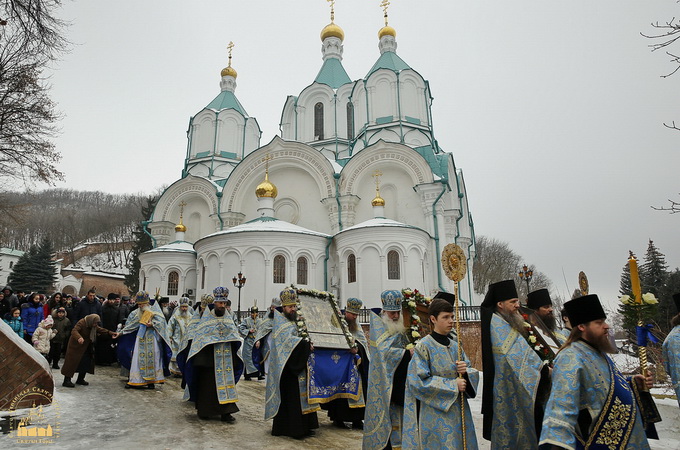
(354, 196)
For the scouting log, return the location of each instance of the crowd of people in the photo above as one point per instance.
(543, 385)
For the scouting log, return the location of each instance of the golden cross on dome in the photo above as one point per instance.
(230, 48)
(377, 174)
(265, 160)
(181, 210)
(332, 2)
(384, 4)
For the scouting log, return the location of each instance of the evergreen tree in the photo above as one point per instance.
(666, 305)
(23, 276)
(654, 271)
(142, 243)
(45, 267)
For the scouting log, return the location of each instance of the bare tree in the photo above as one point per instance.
(30, 38)
(673, 207)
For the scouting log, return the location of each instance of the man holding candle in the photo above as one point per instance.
(671, 349)
(591, 402)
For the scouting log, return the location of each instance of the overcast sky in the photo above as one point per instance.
(553, 110)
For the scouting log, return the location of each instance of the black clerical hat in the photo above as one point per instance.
(449, 297)
(584, 309)
(676, 299)
(538, 298)
(498, 292)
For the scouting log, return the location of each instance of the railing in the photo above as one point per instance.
(467, 314)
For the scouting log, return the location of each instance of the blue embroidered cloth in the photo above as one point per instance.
(332, 374)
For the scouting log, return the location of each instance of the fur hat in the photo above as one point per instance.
(49, 321)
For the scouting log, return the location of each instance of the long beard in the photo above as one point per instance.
(516, 321)
(393, 327)
(292, 316)
(550, 322)
(219, 312)
(603, 344)
(352, 325)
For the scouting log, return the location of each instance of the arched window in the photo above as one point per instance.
(351, 269)
(279, 269)
(392, 265)
(11, 264)
(318, 121)
(173, 283)
(302, 270)
(350, 121)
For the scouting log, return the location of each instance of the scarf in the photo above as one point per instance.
(91, 321)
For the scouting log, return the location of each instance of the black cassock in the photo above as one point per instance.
(206, 394)
(289, 420)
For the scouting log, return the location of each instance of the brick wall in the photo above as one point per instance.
(21, 368)
(104, 285)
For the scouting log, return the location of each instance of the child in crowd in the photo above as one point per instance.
(43, 335)
(15, 322)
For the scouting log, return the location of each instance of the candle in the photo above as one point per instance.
(635, 279)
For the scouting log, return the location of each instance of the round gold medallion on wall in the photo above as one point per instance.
(454, 262)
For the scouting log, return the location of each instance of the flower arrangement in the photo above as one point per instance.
(301, 324)
(647, 299)
(537, 344)
(412, 298)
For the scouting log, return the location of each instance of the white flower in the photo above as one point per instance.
(532, 339)
(427, 299)
(407, 292)
(418, 319)
(649, 299)
(412, 304)
(526, 324)
(626, 300)
(537, 347)
(415, 334)
(300, 323)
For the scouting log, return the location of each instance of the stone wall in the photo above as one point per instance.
(25, 377)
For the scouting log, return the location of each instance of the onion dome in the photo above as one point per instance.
(387, 31)
(332, 30)
(266, 188)
(378, 201)
(180, 228)
(229, 72)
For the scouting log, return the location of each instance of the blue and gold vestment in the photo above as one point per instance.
(248, 341)
(671, 357)
(432, 411)
(382, 418)
(584, 384)
(223, 335)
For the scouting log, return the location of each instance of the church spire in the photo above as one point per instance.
(378, 202)
(266, 192)
(387, 34)
(229, 74)
(180, 228)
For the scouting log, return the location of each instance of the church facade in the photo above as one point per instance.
(354, 196)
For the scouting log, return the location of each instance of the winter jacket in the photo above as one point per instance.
(31, 315)
(17, 325)
(85, 308)
(63, 328)
(41, 339)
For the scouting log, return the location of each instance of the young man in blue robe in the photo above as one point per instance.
(386, 375)
(434, 389)
(516, 373)
(671, 349)
(591, 404)
(214, 365)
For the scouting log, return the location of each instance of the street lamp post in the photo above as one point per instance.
(526, 274)
(239, 280)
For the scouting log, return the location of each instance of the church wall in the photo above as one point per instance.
(203, 133)
(252, 138)
(382, 99)
(370, 276)
(230, 132)
(412, 96)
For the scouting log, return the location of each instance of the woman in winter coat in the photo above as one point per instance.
(43, 335)
(15, 322)
(31, 315)
(80, 351)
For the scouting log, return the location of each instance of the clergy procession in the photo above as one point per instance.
(403, 378)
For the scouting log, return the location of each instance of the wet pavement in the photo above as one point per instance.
(104, 415)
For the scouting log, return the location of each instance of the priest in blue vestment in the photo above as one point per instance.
(591, 404)
(144, 346)
(516, 372)
(671, 349)
(286, 399)
(178, 327)
(214, 364)
(262, 338)
(386, 375)
(434, 389)
(248, 329)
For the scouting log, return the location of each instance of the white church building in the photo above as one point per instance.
(354, 196)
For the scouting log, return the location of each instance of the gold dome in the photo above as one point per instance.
(332, 30)
(387, 31)
(180, 228)
(266, 189)
(378, 201)
(229, 72)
